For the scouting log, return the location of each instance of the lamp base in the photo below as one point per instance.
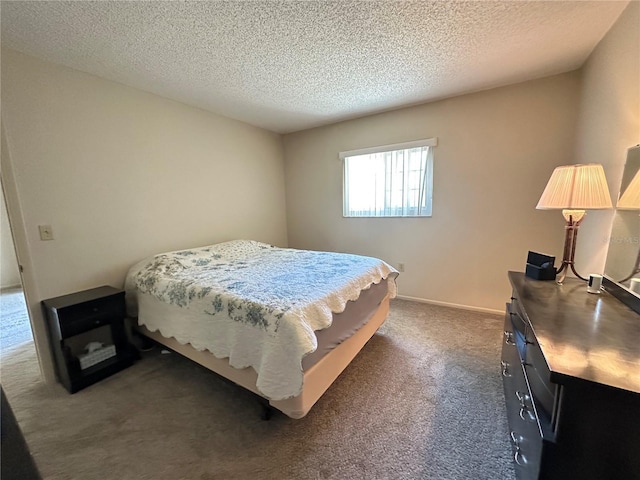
(574, 218)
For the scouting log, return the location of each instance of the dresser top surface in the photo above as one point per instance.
(593, 337)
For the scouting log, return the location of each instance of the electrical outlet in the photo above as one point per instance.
(401, 267)
(46, 232)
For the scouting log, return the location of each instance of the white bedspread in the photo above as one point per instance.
(253, 303)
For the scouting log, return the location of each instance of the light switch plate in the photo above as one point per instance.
(46, 232)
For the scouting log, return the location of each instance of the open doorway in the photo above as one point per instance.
(15, 327)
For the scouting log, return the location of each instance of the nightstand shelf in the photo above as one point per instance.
(75, 320)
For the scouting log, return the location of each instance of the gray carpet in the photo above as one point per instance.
(423, 400)
(14, 319)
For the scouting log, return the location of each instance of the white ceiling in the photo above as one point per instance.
(292, 65)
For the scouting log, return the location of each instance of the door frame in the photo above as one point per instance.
(25, 265)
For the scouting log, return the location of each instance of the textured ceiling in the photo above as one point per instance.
(292, 65)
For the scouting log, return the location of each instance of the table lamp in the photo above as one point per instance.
(574, 189)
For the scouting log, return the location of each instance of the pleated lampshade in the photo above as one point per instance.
(576, 187)
(630, 198)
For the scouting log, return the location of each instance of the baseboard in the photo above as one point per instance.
(452, 305)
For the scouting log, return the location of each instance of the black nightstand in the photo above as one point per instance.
(78, 319)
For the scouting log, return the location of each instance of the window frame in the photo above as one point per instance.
(427, 142)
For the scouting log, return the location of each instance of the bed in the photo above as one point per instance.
(283, 323)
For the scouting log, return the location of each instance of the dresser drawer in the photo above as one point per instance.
(524, 431)
(507, 329)
(517, 318)
(511, 368)
(526, 446)
(526, 441)
(538, 376)
(79, 318)
(511, 360)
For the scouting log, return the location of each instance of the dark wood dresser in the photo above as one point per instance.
(74, 320)
(571, 374)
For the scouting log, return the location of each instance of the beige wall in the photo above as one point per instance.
(121, 174)
(9, 274)
(608, 124)
(496, 150)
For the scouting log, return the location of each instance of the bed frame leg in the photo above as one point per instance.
(267, 410)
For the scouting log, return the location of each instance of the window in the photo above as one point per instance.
(389, 181)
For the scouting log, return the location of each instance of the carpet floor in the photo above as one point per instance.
(14, 319)
(422, 400)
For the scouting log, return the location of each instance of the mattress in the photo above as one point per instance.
(355, 315)
(257, 305)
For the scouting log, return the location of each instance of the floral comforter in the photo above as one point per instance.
(253, 303)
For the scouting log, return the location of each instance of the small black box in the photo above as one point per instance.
(540, 266)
